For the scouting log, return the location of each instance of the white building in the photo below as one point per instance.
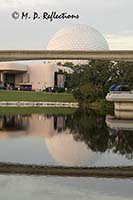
(34, 76)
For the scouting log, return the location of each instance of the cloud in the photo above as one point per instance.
(18, 3)
(121, 41)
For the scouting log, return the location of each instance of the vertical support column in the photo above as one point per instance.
(2, 78)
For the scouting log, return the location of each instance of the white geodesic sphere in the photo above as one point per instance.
(78, 37)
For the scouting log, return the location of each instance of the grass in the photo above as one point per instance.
(33, 110)
(35, 96)
(5, 95)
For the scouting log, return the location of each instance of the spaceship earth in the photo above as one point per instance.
(77, 37)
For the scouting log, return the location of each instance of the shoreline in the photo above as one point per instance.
(99, 172)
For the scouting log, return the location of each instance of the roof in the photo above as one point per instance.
(13, 67)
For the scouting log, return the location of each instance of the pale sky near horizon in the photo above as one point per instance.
(113, 18)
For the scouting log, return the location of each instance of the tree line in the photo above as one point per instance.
(92, 80)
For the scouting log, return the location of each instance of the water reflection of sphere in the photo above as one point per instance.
(66, 151)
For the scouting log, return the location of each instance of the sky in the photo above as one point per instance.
(113, 18)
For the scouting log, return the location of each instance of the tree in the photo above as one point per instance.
(92, 80)
(89, 81)
(85, 94)
(124, 73)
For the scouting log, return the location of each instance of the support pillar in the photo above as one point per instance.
(2, 78)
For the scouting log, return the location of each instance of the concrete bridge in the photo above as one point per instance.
(16, 55)
(123, 103)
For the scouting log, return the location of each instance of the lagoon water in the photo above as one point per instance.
(50, 188)
(82, 138)
(78, 139)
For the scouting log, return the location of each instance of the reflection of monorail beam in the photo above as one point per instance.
(13, 55)
(107, 172)
(119, 124)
